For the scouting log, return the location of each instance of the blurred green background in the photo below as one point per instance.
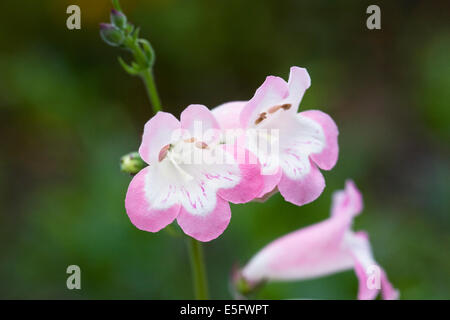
(68, 112)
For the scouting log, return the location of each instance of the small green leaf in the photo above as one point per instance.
(148, 51)
(135, 34)
(130, 69)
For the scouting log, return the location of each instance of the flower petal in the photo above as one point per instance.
(269, 94)
(305, 189)
(227, 114)
(206, 227)
(216, 170)
(299, 81)
(348, 201)
(200, 122)
(327, 157)
(150, 207)
(251, 181)
(158, 132)
(270, 183)
(388, 292)
(300, 137)
(371, 277)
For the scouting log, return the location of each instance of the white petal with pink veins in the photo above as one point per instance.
(162, 185)
(198, 196)
(300, 138)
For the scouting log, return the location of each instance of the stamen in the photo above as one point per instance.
(201, 145)
(190, 140)
(274, 109)
(261, 117)
(163, 152)
(285, 106)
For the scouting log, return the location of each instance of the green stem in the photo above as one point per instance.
(149, 82)
(198, 269)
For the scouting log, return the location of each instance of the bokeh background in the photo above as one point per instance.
(68, 112)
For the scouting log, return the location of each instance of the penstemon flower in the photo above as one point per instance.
(288, 144)
(191, 176)
(321, 249)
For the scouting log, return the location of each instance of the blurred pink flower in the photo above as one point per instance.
(305, 140)
(173, 186)
(324, 248)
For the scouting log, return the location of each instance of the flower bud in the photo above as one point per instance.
(111, 34)
(118, 19)
(132, 163)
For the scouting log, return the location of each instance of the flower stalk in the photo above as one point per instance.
(121, 33)
(198, 269)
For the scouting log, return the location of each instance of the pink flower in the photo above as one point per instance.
(304, 140)
(324, 248)
(175, 186)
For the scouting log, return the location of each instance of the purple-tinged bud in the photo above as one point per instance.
(111, 34)
(118, 19)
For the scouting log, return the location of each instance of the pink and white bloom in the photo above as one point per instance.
(173, 186)
(304, 141)
(324, 248)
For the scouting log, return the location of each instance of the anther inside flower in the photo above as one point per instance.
(191, 177)
(190, 151)
(298, 143)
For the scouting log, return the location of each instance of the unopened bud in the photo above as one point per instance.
(111, 34)
(118, 19)
(132, 163)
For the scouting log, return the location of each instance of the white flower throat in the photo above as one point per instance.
(181, 153)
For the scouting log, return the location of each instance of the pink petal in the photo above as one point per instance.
(327, 158)
(303, 190)
(299, 81)
(348, 201)
(141, 211)
(264, 197)
(209, 226)
(157, 134)
(251, 182)
(227, 114)
(200, 122)
(388, 292)
(270, 183)
(364, 293)
(271, 92)
(371, 277)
